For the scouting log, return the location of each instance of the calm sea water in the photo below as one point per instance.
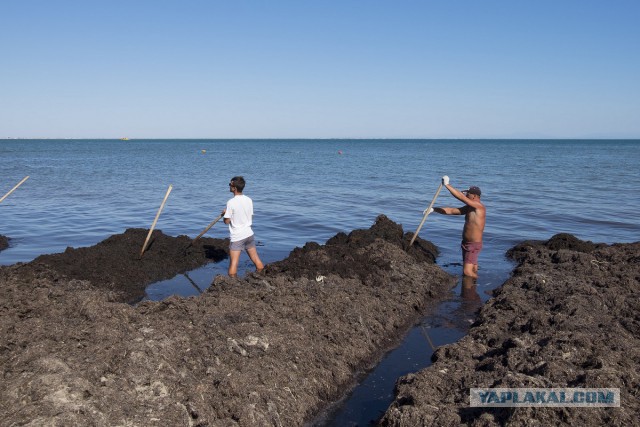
(82, 191)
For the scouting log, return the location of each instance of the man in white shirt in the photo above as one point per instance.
(239, 216)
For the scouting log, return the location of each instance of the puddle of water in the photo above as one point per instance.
(187, 284)
(196, 281)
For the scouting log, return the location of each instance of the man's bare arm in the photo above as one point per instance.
(464, 199)
(451, 211)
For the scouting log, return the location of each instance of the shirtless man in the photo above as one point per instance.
(474, 219)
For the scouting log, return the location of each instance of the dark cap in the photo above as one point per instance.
(474, 190)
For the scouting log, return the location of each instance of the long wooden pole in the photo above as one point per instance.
(424, 218)
(14, 188)
(208, 227)
(166, 196)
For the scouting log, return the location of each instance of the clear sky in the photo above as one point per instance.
(320, 69)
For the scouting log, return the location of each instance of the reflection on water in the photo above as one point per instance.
(470, 301)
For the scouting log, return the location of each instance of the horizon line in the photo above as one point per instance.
(124, 139)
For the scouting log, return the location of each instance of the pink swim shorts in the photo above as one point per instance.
(470, 252)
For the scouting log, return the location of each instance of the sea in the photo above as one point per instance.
(79, 192)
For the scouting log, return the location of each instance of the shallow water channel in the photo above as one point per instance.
(366, 403)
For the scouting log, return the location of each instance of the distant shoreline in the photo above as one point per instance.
(133, 139)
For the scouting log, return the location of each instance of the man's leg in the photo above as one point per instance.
(234, 258)
(470, 252)
(470, 270)
(253, 255)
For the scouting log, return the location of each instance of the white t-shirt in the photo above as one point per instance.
(240, 211)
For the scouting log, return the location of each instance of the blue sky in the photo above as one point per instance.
(320, 69)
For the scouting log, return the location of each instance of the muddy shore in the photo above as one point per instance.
(568, 317)
(269, 349)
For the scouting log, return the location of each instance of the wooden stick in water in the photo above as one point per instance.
(208, 227)
(144, 247)
(14, 188)
(426, 214)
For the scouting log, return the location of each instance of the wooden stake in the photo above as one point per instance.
(14, 188)
(208, 227)
(144, 247)
(424, 218)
